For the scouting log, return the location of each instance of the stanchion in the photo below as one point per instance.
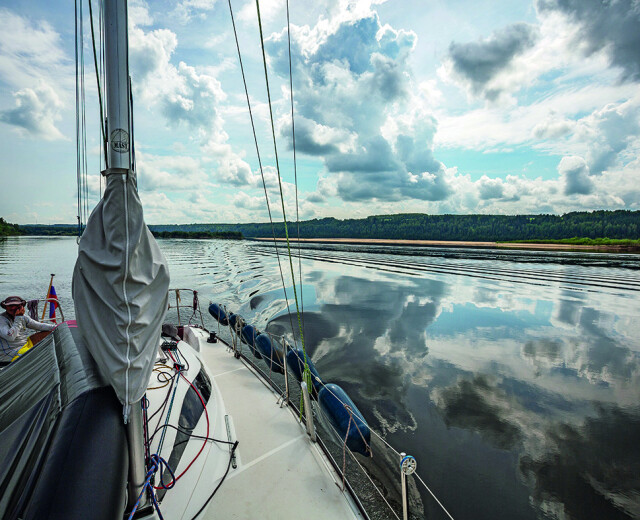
(407, 466)
(308, 411)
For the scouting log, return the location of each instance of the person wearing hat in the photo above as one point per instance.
(13, 329)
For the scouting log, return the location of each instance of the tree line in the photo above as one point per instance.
(619, 225)
(7, 229)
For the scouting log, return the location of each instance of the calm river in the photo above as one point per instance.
(512, 377)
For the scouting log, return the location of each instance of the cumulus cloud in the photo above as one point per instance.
(315, 197)
(490, 188)
(182, 94)
(610, 26)
(174, 173)
(187, 9)
(608, 132)
(360, 111)
(553, 126)
(30, 51)
(586, 118)
(33, 64)
(35, 112)
(478, 63)
(188, 98)
(313, 138)
(575, 172)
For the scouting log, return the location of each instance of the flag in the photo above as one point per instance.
(52, 304)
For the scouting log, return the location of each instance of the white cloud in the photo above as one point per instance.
(31, 51)
(138, 11)
(359, 110)
(490, 188)
(36, 112)
(34, 66)
(187, 9)
(186, 97)
(175, 173)
(556, 124)
(575, 172)
(182, 94)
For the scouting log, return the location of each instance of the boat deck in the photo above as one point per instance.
(284, 473)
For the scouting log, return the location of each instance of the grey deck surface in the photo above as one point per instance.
(280, 473)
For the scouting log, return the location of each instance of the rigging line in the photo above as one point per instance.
(81, 114)
(95, 64)
(101, 75)
(85, 189)
(77, 119)
(295, 165)
(284, 214)
(133, 141)
(264, 184)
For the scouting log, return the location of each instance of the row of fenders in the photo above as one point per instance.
(333, 400)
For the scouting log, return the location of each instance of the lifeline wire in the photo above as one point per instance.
(392, 448)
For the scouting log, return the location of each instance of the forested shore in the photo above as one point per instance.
(606, 227)
(7, 229)
(618, 225)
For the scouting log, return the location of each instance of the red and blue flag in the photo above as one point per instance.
(52, 298)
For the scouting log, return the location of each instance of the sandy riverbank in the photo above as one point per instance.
(453, 243)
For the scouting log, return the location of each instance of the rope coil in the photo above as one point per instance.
(155, 463)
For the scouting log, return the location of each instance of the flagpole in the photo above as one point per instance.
(46, 298)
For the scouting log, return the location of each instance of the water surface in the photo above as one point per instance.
(512, 377)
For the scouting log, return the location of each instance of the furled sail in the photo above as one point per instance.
(121, 279)
(120, 285)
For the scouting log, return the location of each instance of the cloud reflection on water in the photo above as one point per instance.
(526, 370)
(505, 391)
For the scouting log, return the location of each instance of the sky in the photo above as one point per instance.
(400, 106)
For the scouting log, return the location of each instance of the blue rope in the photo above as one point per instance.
(157, 463)
(175, 388)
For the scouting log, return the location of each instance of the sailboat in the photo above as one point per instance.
(121, 415)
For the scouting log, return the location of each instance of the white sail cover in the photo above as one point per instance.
(120, 290)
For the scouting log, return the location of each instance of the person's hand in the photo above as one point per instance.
(20, 311)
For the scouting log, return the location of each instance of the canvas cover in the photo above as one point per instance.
(63, 448)
(120, 290)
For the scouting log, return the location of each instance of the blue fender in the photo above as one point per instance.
(248, 335)
(236, 322)
(332, 400)
(217, 311)
(271, 353)
(295, 362)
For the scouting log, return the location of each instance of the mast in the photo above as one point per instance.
(117, 85)
(119, 119)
